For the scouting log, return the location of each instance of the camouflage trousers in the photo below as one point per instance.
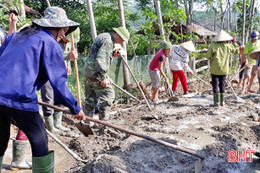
(95, 93)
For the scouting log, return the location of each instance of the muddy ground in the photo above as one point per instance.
(191, 122)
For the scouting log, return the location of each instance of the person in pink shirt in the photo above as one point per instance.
(155, 69)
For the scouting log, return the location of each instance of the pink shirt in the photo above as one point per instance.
(154, 64)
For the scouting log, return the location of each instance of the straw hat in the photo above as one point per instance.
(56, 17)
(255, 54)
(123, 33)
(188, 45)
(222, 36)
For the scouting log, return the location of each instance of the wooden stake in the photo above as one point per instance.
(76, 71)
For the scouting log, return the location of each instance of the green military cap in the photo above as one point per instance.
(56, 17)
(166, 45)
(123, 33)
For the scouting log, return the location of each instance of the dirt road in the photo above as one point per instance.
(190, 122)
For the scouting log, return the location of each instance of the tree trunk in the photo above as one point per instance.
(244, 21)
(187, 13)
(222, 22)
(125, 69)
(159, 15)
(91, 20)
(177, 4)
(190, 11)
(252, 14)
(230, 17)
(22, 9)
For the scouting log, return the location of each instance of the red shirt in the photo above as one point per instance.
(154, 64)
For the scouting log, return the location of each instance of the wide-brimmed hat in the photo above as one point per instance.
(222, 36)
(188, 45)
(166, 45)
(255, 54)
(123, 33)
(76, 35)
(55, 17)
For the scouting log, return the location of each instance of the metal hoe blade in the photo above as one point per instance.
(84, 128)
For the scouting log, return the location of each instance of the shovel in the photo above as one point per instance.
(172, 95)
(232, 89)
(139, 87)
(82, 126)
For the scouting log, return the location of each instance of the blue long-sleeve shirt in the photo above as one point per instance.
(26, 63)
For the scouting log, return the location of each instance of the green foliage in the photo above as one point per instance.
(5, 9)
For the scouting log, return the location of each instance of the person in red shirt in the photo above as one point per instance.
(155, 68)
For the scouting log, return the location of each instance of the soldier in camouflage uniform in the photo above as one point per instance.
(98, 84)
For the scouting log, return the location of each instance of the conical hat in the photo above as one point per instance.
(222, 36)
(255, 54)
(188, 45)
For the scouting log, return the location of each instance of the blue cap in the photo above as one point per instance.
(254, 35)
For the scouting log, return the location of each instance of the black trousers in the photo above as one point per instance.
(30, 123)
(241, 74)
(218, 82)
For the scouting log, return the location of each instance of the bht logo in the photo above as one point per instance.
(236, 156)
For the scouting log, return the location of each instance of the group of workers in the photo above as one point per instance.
(32, 59)
(219, 52)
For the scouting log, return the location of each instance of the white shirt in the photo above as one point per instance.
(2, 36)
(179, 59)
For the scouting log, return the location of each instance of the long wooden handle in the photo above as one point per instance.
(185, 150)
(76, 71)
(74, 155)
(237, 73)
(202, 80)
(67, 111)
(127, 93)
(139, 87)
(48, 3)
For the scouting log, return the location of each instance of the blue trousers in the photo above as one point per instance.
(30, 123)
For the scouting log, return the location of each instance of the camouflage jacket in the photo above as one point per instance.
(66, 50)
(100, 57)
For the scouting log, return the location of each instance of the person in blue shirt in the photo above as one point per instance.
(28, 59)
